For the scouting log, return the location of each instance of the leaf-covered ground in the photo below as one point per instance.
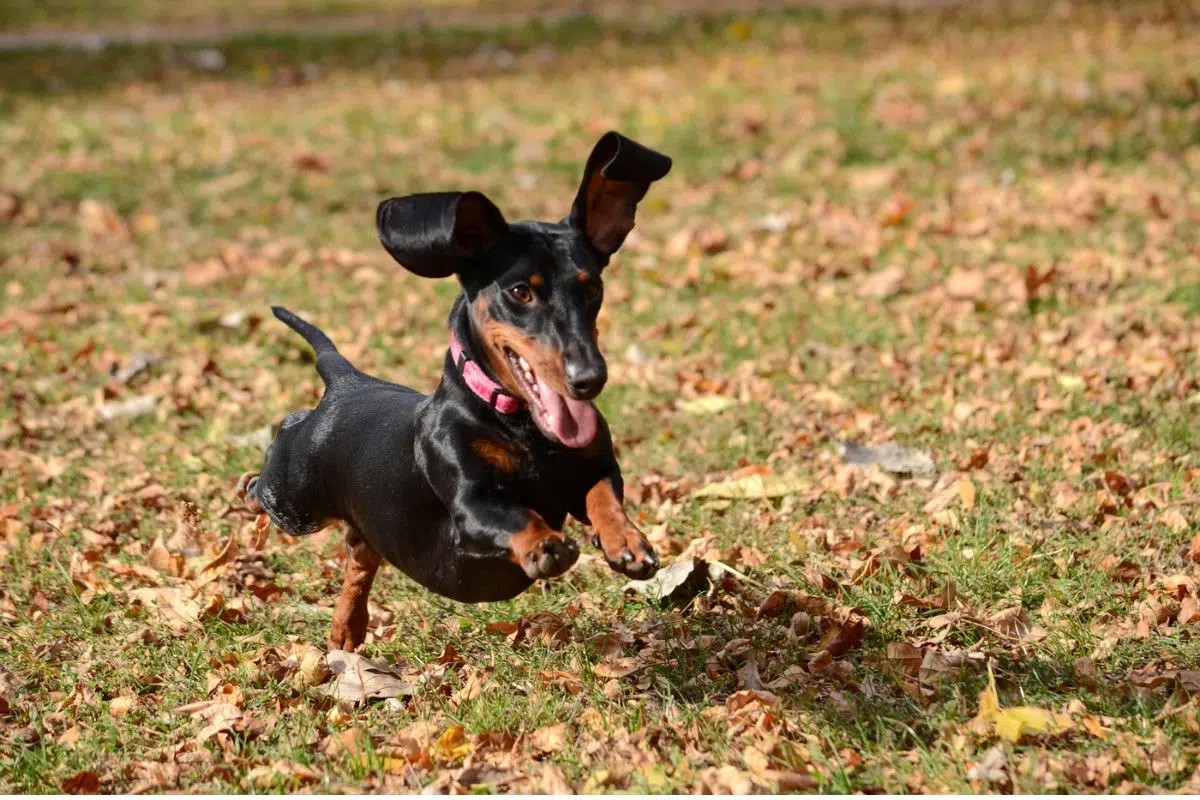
(974, 234)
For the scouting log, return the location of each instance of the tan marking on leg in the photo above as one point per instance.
(350, 617)
(617, 534)
(541, 551)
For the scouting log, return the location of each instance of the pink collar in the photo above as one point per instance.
(487, 389)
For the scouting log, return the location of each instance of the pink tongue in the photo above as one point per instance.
(573, 422)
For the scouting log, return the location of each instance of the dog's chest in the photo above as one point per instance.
(549, 482)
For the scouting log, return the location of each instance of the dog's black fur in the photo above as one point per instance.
(467, 501)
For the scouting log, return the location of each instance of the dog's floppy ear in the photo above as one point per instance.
(617, 175)
(432, 235)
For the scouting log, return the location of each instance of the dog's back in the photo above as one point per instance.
(319, 448)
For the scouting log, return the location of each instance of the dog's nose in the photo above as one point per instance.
(585, 379)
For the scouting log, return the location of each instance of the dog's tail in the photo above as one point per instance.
(331, 365)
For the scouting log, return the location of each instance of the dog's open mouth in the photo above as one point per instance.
(572, 422)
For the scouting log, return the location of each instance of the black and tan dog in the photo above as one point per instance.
(466, 490)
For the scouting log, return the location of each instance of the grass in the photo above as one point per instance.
(153, 207)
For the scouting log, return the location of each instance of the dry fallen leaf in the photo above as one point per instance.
(288, 772)
(180, 612)
(708, 404)
(357, 679)
(891, 457)
(85, 782)
(883, 284)
(349, 743)
(128, 408)
(676, 583)
(905, 657)
(1016, 722)
(452, 745)
(218, 714)
(549, 739)
(752, 487)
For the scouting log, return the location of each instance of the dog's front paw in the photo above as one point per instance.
(629, 553)
(549, 557)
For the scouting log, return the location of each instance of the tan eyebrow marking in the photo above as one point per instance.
(536, 280)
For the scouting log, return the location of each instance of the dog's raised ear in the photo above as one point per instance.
(433, 235)
(617, 175)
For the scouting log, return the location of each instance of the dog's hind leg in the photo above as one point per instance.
(350, 616)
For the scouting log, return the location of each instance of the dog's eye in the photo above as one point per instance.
(522, 293)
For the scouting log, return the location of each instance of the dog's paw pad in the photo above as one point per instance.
(551, 557)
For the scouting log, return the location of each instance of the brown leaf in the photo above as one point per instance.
(69, 737)
(611, 644)
(503, 627)
(158, 556)
(883, 284)
(905, 657)
(549, 739)
(351, 742)
(966, 284)
(224, 557)
(749, 698)
(287, 772)
(1011, 622)
(777, 602)
(617, 668)
(1117, 483)
(1188, 680)
(219, 714)
(1126, 572)
(841, 638)
(747, 676)
(85, 782)
(572, 684)
(120, 706)
(1174, 519)
(312, 162)
(180, 612)
(937, 664)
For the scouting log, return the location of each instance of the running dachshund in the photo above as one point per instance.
(466, 490)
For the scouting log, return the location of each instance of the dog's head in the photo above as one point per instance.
(533, 289)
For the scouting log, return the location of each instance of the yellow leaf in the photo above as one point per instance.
(1013, 723)
(966, 493)
(739, 30)
(708, 404)
(1072, 383)
(453, 745)
(752, 487)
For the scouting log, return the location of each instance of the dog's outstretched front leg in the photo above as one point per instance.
(350, 617)
(626, 548)
(493, 528)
